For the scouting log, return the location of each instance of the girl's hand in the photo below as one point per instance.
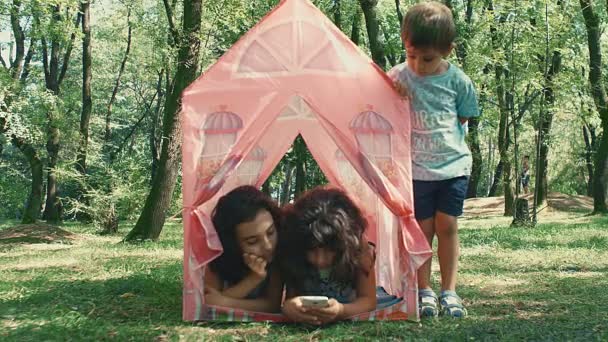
(331, 313)
(215, 297)
(256, 264)
(294, 309)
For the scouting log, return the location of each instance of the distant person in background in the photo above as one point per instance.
(524, 177)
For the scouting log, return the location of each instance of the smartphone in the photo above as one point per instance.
(317, 302)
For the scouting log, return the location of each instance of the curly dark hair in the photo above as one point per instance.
(239, 205)
(322, 217)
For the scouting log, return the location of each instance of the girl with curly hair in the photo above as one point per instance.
(323, 253)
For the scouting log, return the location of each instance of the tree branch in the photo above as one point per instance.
(133, 129)
(68, 52)
(171, 20)
(2, 60)
(108, 132)
(17, 64)
(28, 59)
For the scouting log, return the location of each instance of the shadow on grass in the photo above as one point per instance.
(147, 305)
(95, 309)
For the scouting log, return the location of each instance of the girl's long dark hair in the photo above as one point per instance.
(239, 205)
(322, 217)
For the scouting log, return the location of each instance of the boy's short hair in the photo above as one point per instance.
(429, 25)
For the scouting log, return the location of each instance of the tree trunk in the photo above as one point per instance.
(20, 71)
(53, 207)
(400, 18)
(503, 129)
(54, 73)
(473, 140)
(496, 179)
(28, 59)
(355, 34)
(154, 146)
(17, 64)
(300, 151)
(34, 201)
(589, 147)
(503, 141)
(372, 22)
(87, 102)
(598, 91)
(399, 12)
(110, 221)
(151, 221)
(338, 14)
(266, 188)
(545, 129)
(522, 213)
(286, 188)
(108, 128)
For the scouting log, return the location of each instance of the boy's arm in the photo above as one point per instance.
(466, 101)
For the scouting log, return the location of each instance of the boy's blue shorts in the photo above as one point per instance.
(446, 196)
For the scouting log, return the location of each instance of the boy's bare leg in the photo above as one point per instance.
(424, 272)
(448, 249)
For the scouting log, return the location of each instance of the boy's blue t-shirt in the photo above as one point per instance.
(439, 149)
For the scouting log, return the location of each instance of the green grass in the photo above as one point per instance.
(543, 283)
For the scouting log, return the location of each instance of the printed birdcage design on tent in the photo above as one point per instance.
(373, 133)
(219, 134)
(249, 170)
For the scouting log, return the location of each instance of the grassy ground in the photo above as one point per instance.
(545, 283)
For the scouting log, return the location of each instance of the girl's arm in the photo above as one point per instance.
(270, 302)
(366, 295)
(244, 287)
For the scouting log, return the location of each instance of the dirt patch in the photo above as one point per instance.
(494, 206)
(35, 233)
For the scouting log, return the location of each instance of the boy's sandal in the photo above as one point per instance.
(428, 303)
(451, 305)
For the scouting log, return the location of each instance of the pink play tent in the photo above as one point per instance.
(295, 73)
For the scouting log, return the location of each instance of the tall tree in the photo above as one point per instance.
(55, 69)
(151, 221)
(372, 22)
(355, 34)
(500, 75)
(589, 137)
(546, 121)
(17, 64)
(300, 160)
(87, 102)
(598, 91)
(337, 13)
(19, 71)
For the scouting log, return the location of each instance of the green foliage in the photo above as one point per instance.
(519, 47)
